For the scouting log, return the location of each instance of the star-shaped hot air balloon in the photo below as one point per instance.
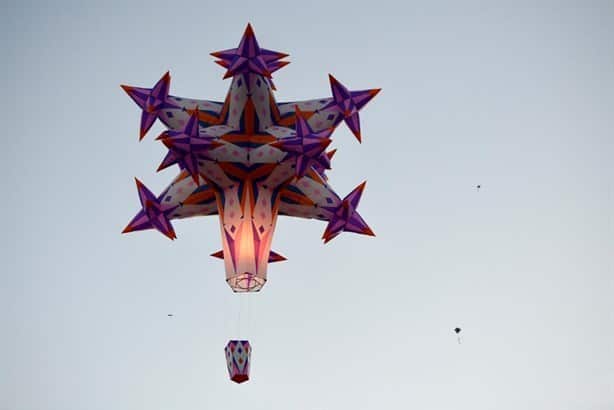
(249, 159)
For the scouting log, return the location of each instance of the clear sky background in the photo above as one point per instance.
(515, 96)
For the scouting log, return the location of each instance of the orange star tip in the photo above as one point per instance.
(368, 231)
(127, 229)
(170, 234)
(315, 176)
(249, 30)
(168, 143)
(218, 254)
(126, 88)
(358, 136)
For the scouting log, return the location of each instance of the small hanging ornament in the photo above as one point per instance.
(238, 355)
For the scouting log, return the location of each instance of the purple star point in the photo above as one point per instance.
(307, 146)
(348, 103)
(248, 57)
(186, 146)
(151, 101)
(346, 218)
(152, 215)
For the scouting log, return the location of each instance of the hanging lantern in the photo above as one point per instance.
(238, 356)
(247, 230)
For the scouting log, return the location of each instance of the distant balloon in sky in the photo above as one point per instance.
(457, 330)
(249, 159)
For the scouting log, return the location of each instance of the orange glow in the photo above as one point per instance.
(246, 248)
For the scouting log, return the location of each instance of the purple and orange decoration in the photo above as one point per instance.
(249, 159)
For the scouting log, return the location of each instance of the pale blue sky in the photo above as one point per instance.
(511, 95)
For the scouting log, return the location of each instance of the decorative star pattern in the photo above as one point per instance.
(320, 169)
(152, 215)
(348, 103)
(152, 101)
(307, 146)
(248, 57)
(249, 159)
(186, 147)
(345, 218)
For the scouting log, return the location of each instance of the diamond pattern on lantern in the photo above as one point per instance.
(238, 357)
